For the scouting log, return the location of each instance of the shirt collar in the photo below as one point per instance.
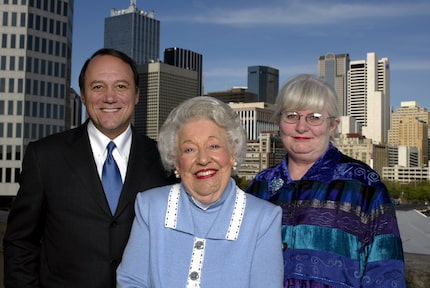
(99, 141)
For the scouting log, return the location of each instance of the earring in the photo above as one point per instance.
(177, 174)
(234, 165)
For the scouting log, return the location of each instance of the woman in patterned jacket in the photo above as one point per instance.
(339, 227)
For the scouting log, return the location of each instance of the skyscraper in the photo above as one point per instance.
(186, 59)
(410, 127)
(162, 87)
(263, 81)
(134, 32)
(369, 96)
(35, 61)
(333, 69)
(256, 117)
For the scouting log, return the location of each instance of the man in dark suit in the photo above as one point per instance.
(62, 231)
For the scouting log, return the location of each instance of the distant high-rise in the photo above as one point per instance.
(333, 69)
(263, 81)
(35, 61)
(162, 87)
(369, 96)
(186, 59)
(235, 94)
(134, 32)
(256, 117)
(410, 127)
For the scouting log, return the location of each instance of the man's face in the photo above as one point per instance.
(110, 94)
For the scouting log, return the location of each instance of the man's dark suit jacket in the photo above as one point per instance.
(60, 231)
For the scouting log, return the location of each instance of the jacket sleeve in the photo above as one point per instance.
(134, 268)
(22, 238)
(268, 267)
(384, 254)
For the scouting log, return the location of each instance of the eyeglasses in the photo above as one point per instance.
(314, 119)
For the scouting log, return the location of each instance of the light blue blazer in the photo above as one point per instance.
(174, 243)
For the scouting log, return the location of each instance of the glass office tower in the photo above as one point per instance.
(134, 32)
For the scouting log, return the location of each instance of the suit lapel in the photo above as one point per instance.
(137, 164)
(81, 160)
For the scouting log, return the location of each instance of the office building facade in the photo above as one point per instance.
(333, 69)
(186, 59)
(35, 64)
(410, 127)
(235, 95)
(134, 32)
(256, 117)
(369, 96)
(162, 88)
(264, 82)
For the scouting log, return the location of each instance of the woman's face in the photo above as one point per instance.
(204, 161)
(304, 142)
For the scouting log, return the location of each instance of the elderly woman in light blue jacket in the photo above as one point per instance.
(203, 231)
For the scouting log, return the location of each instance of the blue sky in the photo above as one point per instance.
(288, 35)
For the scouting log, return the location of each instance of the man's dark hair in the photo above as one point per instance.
(112, 52)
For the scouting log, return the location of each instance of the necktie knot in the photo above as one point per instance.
(110, 148)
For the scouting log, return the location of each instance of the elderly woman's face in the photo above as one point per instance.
(204, 161)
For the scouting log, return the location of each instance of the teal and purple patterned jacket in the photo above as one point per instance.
(339, 226)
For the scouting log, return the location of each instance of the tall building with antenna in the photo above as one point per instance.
(134, 32)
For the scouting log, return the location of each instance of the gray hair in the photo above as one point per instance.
(304, 92)
(201, 107)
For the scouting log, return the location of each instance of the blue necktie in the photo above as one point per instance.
(111, 179)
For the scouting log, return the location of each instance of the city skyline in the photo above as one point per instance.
(286, 35)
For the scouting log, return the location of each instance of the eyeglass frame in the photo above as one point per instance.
(283, 117)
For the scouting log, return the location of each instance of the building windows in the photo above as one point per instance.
(35, 87)
(2, 85)
(21, 42)
(44, 24)
(27, 109)
(11, 85)
(8, 175)
(14, 19)
(19, 108)
(58, 28)
(27, 86)
(43, 67)
(21, 63)
(30, 20)
(18, 133)
(13, 41)
(58, 7)
(12, 63)
(3, 63)
(36, 66)
(41, 110)
(42, 88)
(37, 44)
(22, 19)
(30, 42)
(5, 18)
(9, 134)
(4, 41)
(38, 22)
